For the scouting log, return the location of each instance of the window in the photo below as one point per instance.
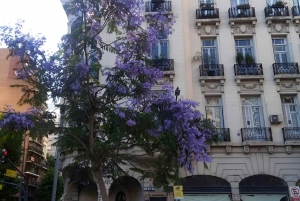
(244, 46)
(214, 111)
(235, 3)
(280, 50)
(161, 50)
(290, 110)
(252, 112)
(296, 2)
(209, 52)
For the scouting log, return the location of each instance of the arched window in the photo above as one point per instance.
(205, 184)
(263, 184)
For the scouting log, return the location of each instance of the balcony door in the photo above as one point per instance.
(209, 52)
(244, 46)
(290, 110)
(214, 111)
(235, 3)
(252, 112)
(161, 50)
(280, 50)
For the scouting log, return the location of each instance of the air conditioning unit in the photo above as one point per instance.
(275, 119)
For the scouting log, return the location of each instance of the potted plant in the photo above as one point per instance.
(239, 58)
(244, 6)
(279, 4)
(249, 59)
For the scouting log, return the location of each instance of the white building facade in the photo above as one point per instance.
(239, 59)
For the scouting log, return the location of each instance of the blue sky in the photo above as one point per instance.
(41, 16)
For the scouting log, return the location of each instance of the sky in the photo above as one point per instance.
(41, 16)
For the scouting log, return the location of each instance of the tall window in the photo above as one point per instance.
(235, 3)
(296, 2)
(209, 52)
(280, 50)
(290, 110)
(161, 50)
(252, 112)
(244, 46)
(214, 111)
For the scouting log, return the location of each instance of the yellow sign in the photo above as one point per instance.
(0, 187)
(11, 173)
(178, 192)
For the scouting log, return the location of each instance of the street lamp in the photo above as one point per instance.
(177, 92)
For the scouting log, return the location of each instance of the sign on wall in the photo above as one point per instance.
(294, 193)
(178, 192)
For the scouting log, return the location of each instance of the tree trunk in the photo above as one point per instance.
(98, 176)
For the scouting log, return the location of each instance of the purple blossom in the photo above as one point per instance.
(130, 122)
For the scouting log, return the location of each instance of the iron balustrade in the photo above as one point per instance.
(248, 69)
(291, 133)
(241, 12)
(163, 64)
(285, 68)
(296, 10)
(256, 134)
(158, 6)
(207, 13)
(36, 149)
(207, 4)
(223, 134)
(211, 70)
(276, 11)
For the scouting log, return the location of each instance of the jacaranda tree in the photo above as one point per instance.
(104, 120)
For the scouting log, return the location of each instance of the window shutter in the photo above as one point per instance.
(247, 117)
(286, 115)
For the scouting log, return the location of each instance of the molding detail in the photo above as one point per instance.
(288, 149)
(278, 24)
(247, 84)
(213, 84)
(246, 149)
(228, 149)
(208, 26)
(288, 82)
(243, 25)
(270, 149)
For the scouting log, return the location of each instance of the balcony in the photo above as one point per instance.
(277, 18)
(211, 70)
(208, 5)
(285, 68)
(277, 11)
(163, 64)
(241, 13)
(223, 134)
(151, 6)
(207, 13)
(291, 133)
(36, 149)
(248, 69)
(256, 134)
(212, 78)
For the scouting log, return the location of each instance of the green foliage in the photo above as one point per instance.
(44, 190)
(12, 143)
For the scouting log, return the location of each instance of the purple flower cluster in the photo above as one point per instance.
(18, 121)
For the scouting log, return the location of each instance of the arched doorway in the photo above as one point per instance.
(263, 188)
(206, 188)
(126, 189)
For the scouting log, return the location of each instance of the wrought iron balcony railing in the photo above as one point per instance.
(211, 70)
(273, 11)
(285, 68)
(223, 134)
(241, 12)
(256, 134)
(163, 64)
(158, 6)
(291, 133)
(36, 149)
(248, 69)
(296, 11)
(207, 13)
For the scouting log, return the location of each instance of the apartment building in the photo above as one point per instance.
(239, 59)
(35, 165)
